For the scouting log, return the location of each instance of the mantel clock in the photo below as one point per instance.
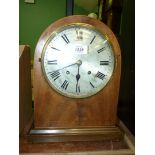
(77, 67)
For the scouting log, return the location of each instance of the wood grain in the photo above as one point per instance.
(54, 110)
(25, 96)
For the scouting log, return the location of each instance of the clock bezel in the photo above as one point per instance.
(61, 29)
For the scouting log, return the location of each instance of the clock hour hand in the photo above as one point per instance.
(79, 62)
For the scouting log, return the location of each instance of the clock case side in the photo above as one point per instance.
(54, 111)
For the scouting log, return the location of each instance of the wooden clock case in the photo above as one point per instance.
(59, 118)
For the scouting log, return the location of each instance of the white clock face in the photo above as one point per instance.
(77, 61)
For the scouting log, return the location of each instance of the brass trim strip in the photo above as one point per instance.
(64, 135)
(87, 131)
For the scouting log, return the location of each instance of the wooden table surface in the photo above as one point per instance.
(62, 147)
(105, 147)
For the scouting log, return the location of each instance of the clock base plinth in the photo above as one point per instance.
(78, 134)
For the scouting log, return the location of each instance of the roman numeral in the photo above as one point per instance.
(77, 89)
(55, 75)
(65, 84)
(79, 34)
(54, 48)
(100, 75)
(52, 62)
(77, 31)
(101, 50)
(104, 62)
(65, 38)
(92, 40)
(91, 84)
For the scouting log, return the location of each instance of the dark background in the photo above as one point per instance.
(126, 110)
(121, 18)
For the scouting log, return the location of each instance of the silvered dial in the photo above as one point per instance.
(77, 61)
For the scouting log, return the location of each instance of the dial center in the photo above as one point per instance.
(79, 62)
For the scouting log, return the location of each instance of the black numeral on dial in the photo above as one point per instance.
(65, 38)
(65, 84)
(52, 62)
(92, 39)
(55, 75)
(92, 85)
(54, 48)
(101, 50)
(104, 62)
(100, 75)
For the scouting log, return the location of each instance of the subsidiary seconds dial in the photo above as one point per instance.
(77, 60)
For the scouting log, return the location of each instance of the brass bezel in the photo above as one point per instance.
(60, 29)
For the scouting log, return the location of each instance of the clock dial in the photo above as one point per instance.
(78, 61)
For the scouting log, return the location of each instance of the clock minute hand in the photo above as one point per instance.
(68, 66)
